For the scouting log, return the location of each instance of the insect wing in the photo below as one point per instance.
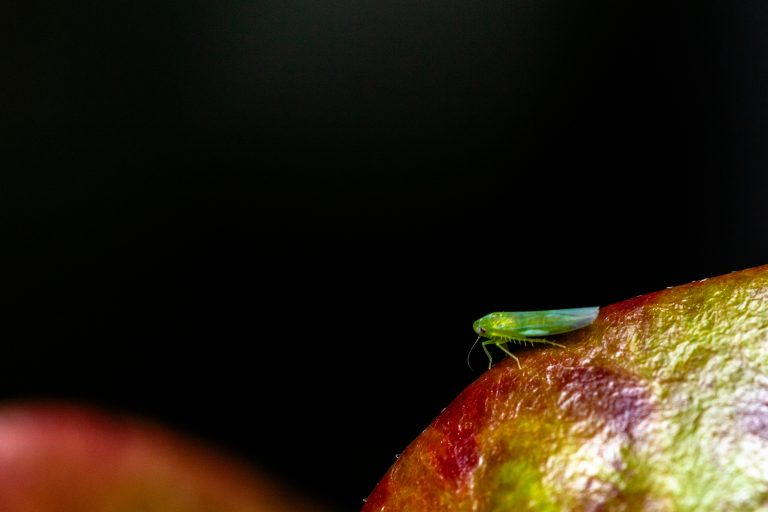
(555, 321)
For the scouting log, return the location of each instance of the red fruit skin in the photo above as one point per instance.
(65, 458)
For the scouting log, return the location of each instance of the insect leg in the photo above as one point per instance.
(523, 341)
(517, 341)
(502, 346)
(487, 353)
(547, 342)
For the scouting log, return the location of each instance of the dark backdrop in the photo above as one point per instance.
(271, 223)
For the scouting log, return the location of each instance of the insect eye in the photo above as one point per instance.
(482, 330)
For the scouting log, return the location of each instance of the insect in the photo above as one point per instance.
(520, 327)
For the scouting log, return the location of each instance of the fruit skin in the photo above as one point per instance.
(64, 458)
(661, 404)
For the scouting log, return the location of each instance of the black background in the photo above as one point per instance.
(270, 224)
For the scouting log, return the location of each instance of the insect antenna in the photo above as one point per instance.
(470, 352)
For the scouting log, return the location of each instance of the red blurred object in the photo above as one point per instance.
(65, 458)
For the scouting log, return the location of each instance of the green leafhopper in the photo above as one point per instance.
(524, 327)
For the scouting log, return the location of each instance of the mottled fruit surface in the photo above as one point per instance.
(661, 404)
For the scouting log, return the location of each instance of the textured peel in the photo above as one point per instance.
(661, 404)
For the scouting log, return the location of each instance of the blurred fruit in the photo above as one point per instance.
(661, 404)
(61, 458)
